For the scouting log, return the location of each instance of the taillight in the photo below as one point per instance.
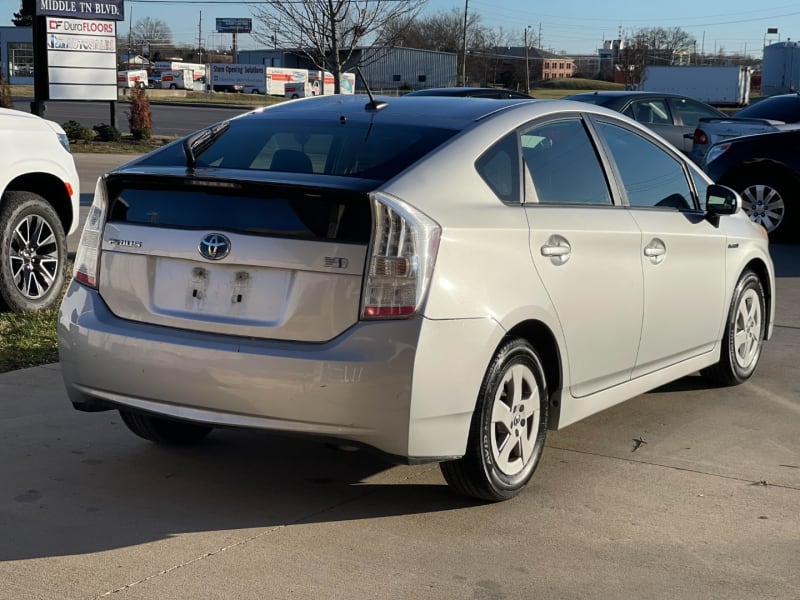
(401, 261)
(700, 137)
(87, 257)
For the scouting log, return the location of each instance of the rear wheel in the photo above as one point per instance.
(508, 428)
(33, 253)
(767, 201)
(164, 431)
(744, 334)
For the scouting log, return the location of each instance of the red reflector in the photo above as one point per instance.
(388, 311)
(68, 185)
(700, 137)
(85, 279)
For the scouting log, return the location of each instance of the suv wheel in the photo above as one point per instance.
(33, 252)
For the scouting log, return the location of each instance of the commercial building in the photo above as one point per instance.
(16, 54)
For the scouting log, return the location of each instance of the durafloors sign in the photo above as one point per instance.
(81, 48)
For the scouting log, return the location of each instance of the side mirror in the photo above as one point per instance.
(721, 200)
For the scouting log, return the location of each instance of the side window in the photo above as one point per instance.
(650, 111)
(650, 176)
(499, 167)
(563, 164)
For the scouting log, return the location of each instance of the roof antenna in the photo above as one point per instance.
(373, 105)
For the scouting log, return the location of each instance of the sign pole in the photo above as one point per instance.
(41, 84)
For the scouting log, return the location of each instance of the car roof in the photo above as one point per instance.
(462, 91)
(627, 93)
(440, 111)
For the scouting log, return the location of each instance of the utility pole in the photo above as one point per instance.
(200, 38)
(527, 64)
(464, 60)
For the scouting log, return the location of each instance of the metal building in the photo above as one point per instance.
(780, 68)
(16, 54)
(384, 68)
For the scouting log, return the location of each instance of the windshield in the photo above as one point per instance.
(359, 149)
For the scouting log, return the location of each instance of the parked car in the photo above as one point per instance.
(776, 113)
(472, 92)
(426, 276)
(672, 116)
(765, 170)
(39, 199)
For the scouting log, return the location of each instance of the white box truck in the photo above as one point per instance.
(132, 78)
(314, 85)
(224, 77)
(278, 77)
(182, 79)
(721, 85)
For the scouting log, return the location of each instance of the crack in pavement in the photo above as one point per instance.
(675, 468)
(413, 475)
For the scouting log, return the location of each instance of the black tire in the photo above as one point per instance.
(768, 200)
(744, 334)
(514, 379)
(172, 86)
(33, 253)
(164, 431)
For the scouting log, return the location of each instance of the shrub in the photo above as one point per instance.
(140, 118)
(106, 133)
(5, 94)
(77, 132)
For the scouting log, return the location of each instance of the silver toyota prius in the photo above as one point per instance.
(440, 279)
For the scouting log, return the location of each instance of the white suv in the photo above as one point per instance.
(39, 199)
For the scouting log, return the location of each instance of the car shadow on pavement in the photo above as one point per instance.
(120, 491)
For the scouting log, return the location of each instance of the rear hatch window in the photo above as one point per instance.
(342, 147)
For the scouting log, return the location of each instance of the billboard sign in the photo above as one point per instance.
(110, 10)
(233, 25)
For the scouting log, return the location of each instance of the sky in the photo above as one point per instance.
(569, 26)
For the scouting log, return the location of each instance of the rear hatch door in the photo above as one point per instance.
(276, 259)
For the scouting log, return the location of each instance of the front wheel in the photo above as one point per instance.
(33, 253)
(508, 428)
(164, 431)
(744, 333)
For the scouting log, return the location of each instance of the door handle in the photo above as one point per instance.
(557, 249)
(656, 250)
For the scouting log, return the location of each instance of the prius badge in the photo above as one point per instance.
(215, 246)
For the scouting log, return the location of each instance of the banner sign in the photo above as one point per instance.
(232, 25)
(111, 10)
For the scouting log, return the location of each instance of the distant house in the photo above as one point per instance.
(132, 60)
(558, 67)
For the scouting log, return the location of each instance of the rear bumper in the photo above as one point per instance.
(358, 387)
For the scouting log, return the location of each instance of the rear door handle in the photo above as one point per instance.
(557, 249)
(656, 250)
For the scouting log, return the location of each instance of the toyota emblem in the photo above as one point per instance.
(215, 246)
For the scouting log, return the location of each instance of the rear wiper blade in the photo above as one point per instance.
(196, 144)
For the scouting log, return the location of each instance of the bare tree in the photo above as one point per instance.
(653, 46)
(327, 32)
(151, 31)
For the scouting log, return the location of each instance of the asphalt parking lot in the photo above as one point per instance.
(706, 507)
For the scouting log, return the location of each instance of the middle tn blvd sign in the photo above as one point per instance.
(109, 10)
(81, 59)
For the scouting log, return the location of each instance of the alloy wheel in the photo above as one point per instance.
(34, 256)
(515, 420)
(764, 205)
